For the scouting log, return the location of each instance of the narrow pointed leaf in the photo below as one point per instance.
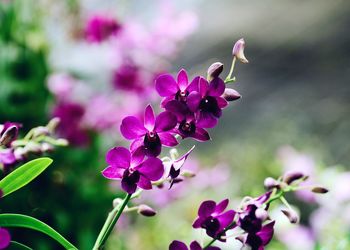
(23, 175)
(24, 221)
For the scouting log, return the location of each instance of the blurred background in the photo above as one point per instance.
(93, 62)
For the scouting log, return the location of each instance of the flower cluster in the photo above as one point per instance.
(138, 53)
(251, 222)
(37, 141)
(190, 107)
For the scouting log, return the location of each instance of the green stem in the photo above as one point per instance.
(111, 220)
(219, 235)
(229, 76)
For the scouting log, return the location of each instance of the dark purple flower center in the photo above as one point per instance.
(131, 176)
(209, 104)
(254, 241)
(181, 96)
(212, 225)
(187, 128)
(174, 173)
(152, 144)
(250, 223)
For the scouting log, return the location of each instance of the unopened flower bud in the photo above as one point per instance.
(9, 135)
(270, 183)
(231, 95)
(291, 215)
(20, 153)
(46, 147)
(53, 123)
(188, 174)
(320, 190)
(215, 70)
(146, 211)
(117, 202)
(38, 131)
(292, 176)
(238, 51)
(33, 147)
(61, 142)
(173, 153)
(261, 214)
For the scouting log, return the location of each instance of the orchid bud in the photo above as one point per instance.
(61, 142)
(20, 153)
(291, 215)
(215, 70)
(116, 202)
(146, 211)
(320, 190)
(261, 214)
(292, 176)
(238, 51)
(38, 131)
(173, 153)
(231, 95)
(33, 147)
(53, 123)
(188, 174)
(9, 135)
(46, 147)
(270, 183)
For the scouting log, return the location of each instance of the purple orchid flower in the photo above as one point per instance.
(132, 169)
(7, 157)
(208, 102)
(178, 245)
(150, 136)
(171, 89)
(100, 28)
(258, 240)
(5, 238)
(187, 124)
(8, 132)
(174, 166)
(213, 219)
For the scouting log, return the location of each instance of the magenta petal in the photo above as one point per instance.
(179, 109)
(137, 143)
(201, 135)
(166, 100)
(216, 87)
(177, 245)
(181, 161)
(194, 85)
(132, 128)
(226, 218)
(198, 222)
(5, 238)
(193, 101)
(152, 168)
(222, 103)
(137, 156)
(144, 183)
(182, 79)
(168, 139)
(206, 208)
(195, 246)
(165, 121)
(149, 119)
(203, 86)
(221, 206)
(113, 173)
(206, 120)
(266, 233)
(166, 85)
(118, 157)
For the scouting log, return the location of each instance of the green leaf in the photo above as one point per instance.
(14, 245)
(19, 220)
(23, 175)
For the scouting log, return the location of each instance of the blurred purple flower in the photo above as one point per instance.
(132, 169)
(5, 238)
(171, 89)
(178, 245)
(187, 124)
(126, 77)
(70, 115)
(258, 240)
(7, 157)
(152, 134)
(208, 103)
(213, 219)
(99, 28)
(297, 237)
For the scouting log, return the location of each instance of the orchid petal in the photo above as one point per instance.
(132, 128)
(166, 85)
(149, 119)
